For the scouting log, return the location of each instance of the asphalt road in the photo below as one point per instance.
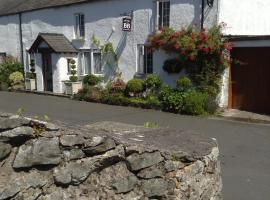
(245, 148)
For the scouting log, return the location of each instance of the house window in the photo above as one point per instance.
(163, 13)
(145, 60)
(97, 64)
(69, 66)
(85, 63)
(79, 26)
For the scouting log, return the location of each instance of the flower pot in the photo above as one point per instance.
(72, 87)
(30, 84)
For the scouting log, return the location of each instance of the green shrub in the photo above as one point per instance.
(115, 99)
(184, 83)
(137, 102)
(92, 80)
(73, 77)
(173, 66)
(16, 81)
(171, 100)
(9, 66)
(153, 81)
(135, 86)
(195, 102)
(153, 102)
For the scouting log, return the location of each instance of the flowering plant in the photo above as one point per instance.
(202, 53)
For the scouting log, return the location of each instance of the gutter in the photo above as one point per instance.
(21, 37)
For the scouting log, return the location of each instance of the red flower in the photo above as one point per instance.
(206, 51)
(192, 58)
(199, 48)
(176, 46)
(193, 36)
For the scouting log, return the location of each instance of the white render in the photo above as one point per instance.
(102, 19)
(245, 17)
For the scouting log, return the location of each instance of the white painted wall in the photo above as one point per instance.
(245, 17)
(9, 35)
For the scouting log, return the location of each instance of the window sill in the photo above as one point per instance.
(78, 40)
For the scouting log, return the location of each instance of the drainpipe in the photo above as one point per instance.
(202, 17)
(21, 37)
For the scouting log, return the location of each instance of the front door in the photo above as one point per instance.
(47, 72)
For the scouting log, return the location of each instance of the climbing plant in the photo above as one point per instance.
(107, 51)
(202, 53)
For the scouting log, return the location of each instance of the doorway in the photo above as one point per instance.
(47, 72)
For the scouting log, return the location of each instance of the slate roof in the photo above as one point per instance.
(57, 42)
(8, 7)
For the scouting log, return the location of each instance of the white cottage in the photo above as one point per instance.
(53, 32)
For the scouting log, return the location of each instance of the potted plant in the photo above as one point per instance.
(73, 85)
(30, 81)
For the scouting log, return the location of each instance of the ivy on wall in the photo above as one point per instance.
(109, 56)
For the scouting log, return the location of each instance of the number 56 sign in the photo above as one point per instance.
(126, 24)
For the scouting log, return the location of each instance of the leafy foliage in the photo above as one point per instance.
(92, 80)
(153, 81)
(135, 86)
(9, 66)
(202, 53)
(16, 80)
(195, 103)
(73, 77)
(173, 66)
(183, 83)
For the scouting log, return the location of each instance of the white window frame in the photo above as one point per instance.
(142, 48)
(161, 16)
(78, 26)
(92, 63)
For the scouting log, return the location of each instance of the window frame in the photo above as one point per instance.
(146, 60)
(163, 18)
(97, 51)
(79, 26)
(82, 63)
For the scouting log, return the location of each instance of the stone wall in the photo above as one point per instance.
(105, 161)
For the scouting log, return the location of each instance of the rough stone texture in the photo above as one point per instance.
(42, 151)
(7, 123)
(155, 187)
(5, 150)
(107, 161)
(137, 161)
(19, 132)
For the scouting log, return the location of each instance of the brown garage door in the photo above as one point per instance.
(251, 80)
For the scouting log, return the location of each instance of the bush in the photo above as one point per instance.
(16, 81)
(184, 83)
(82, 94)
(153, 81)
(171, 100)
(118, 85)
(114, 98)
(195, 103)
(92, 80)
(9, 66)
(153, 102)
(173, 66)
(135, 86)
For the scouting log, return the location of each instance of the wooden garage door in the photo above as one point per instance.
(251, 80)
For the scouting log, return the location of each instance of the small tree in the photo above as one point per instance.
(32, 69)
(73, 77)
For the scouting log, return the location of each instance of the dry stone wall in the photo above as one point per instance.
(39, 160)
